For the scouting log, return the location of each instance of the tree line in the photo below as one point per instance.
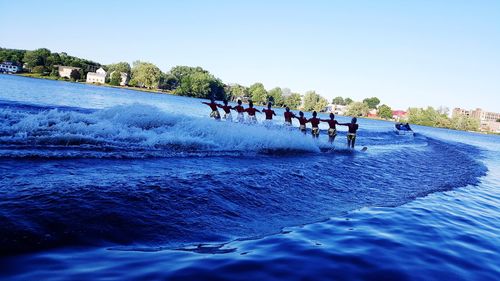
(200, 83)
(180, 80)
(439, 118)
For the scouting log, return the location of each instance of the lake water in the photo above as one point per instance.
(101, 184)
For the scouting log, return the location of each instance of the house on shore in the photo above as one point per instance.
(9, 67)
(65, 71)
(123, 78)
(399, 115)
(488, 121)
(373, 113)
(336, 109)
(97, 77)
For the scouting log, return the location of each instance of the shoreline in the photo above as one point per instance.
(36, 76)
(29, 75)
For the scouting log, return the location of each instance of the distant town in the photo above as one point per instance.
(198, 82)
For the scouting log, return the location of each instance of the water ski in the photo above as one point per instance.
(341, 150)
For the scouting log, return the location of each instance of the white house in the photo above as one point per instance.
(65, 71)
(124, 78)
(336, 109)
(9, 67)
(97, 77)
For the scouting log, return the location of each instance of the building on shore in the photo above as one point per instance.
(336, 109)
(123, 78)
(65, 71)
(9, 67)
(399, 115)
(97, 77)
(489, 121)
(373, 113)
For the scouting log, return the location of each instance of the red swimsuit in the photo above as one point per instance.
(239, 109)
(269, 113)
(288, 116)
(226, 108)
(314, 122)
(251, 111)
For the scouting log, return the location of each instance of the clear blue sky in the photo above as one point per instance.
(407, 53)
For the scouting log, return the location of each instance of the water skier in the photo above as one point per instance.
(314, 124)
(251, 113)
(332, 130)
(240, 109)
(302, 122)
(227, 111)
(213, 105)
(269, 113)
(288, 116)
(351, 134)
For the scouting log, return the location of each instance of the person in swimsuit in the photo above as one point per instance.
(314, 124)
(269, 113)
(227, 111)
(213, 105)
(407, 126)
(351, 133)
(251, 113)
(302, 122)
(240, 109)
(332, 131)
(288, 116)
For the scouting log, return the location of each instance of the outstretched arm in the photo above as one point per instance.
(205, 103)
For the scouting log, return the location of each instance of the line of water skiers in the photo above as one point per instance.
(332, 131)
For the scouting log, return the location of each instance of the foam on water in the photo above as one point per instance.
(137, 128)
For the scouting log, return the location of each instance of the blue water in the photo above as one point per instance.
(103, 184)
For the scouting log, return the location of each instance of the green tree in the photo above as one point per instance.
(40, 69)
(385, 111)
(313, 101)
(181, 71)
(348, 101)
(120, 67)
(168, 82)
(75, 75)
(372, 102)
(236, 91)
(276, 97)
(145, 74)
(201, 85)
(338, 100)
(54, 72)
(258, 93)
(115, 78)
(195, 82)
(293, 101)
(12, 55)
(37, 57)
(465, 123)
(428, 117)
(53, 59)
(357, 109)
